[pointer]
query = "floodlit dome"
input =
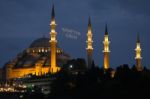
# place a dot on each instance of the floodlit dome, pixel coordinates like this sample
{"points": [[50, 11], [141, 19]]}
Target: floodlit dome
{"points": [[39, 50], [41, 45], [41, 42]]}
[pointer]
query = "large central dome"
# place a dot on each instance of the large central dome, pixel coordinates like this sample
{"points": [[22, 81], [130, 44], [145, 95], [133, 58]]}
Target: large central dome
{"points": [[41, 42], [39, 50], [41, 45]]}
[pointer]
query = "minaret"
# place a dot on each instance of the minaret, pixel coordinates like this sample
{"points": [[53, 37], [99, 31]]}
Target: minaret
{"points": [[89, 44], [106, 50], [138, 57], [53, 43]]}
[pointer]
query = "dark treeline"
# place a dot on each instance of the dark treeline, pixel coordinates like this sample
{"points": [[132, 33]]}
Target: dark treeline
{"points": [[98, 83]]}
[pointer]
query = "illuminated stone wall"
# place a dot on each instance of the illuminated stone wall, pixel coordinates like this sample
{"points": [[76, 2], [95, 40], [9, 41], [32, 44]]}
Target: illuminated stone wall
{"points": [[21, 72]]}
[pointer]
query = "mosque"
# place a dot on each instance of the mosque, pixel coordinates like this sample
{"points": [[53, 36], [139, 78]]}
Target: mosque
{"points": [[34, 60], [45, 56]]}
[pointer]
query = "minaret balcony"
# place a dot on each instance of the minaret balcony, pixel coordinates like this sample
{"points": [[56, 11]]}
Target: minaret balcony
{"points": [[138, 57], [108, 51]]}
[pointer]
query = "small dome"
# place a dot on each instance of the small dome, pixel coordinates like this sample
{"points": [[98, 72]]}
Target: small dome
{"points": [[41, 42]]}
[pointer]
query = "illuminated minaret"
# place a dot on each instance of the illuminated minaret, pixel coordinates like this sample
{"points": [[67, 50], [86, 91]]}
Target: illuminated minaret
{"points": [[53, 43], [106, 50], [138, 57], [89, 44]]}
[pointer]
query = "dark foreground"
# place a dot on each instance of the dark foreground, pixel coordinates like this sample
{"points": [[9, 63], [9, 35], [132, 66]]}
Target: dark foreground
{"points": [[93, 84]]}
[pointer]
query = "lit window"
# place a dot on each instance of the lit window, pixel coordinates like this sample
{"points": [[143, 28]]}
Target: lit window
{"points": [[70, 66], [42, 50]]}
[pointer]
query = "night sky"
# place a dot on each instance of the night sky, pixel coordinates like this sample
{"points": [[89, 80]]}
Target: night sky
{"points": [[23, 21]]}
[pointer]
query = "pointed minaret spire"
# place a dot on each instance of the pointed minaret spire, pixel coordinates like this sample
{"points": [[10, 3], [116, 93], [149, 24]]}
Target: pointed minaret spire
{"points": [[89, 24], [138, 57], [106, 50], [138, 39], [53, 14], [89, 42], [106, 31]]}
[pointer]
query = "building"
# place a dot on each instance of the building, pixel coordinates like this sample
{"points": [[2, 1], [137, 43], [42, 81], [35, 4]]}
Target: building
{"points": [[43, 56], [138, 57], [34, 60], [53, 42], [89, 44], [106, 50]]}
